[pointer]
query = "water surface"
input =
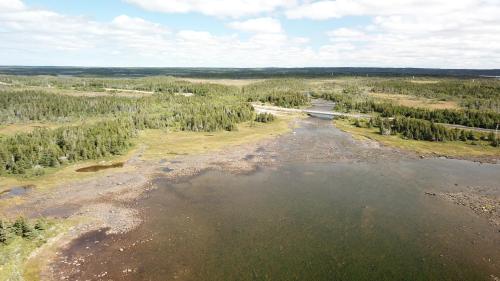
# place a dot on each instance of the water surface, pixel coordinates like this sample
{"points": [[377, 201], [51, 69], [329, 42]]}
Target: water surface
{"points": [[331, 209], [97, 168]]}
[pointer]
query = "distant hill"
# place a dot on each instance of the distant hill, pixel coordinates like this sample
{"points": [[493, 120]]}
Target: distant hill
{"points": [[244, 72]]}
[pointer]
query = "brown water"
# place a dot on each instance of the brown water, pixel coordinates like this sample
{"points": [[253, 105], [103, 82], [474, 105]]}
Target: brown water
{"points": [[97, 168], [330, 209]]}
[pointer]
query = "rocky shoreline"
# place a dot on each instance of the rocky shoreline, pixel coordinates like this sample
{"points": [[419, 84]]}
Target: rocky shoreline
{"points": [[107, 203]]}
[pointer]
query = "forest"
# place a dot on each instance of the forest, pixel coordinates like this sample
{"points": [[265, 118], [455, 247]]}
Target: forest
{"points": [[478, 94], [21, 228], [465, 117], [241, 73], [109, 120], [211, 108], [417, 129]]}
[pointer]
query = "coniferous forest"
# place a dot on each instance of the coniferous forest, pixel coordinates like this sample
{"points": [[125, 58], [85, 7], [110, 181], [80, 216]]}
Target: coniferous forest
{"points": [[176, 105], [114, 110]]}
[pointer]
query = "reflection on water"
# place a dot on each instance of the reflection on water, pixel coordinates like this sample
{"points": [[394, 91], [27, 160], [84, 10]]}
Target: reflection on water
{"points": [[97, 168], [343, 220]]}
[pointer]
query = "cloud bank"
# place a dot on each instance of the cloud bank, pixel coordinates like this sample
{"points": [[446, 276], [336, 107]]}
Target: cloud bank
{"points": [[404, 33]]}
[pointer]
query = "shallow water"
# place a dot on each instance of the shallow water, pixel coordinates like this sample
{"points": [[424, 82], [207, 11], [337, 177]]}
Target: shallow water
{"points": [[16, 191], [330, 209], [97, 168]]}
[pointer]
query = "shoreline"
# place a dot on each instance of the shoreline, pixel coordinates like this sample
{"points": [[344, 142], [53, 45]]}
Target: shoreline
{"points": [[106, 202]]}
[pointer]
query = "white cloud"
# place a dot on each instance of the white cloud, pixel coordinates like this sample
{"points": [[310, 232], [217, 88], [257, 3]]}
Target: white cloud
{"points": [[328, 9], [458, 34], [11, 5], [124, 22], [41, 37], [219, 8], [422, 33], [344, 32], [259, 25]]}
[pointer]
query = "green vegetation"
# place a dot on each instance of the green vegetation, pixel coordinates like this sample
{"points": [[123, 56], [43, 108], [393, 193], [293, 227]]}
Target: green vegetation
{"points": [[285, 93], [264, 117], [460, 149], [479, 94], [113, 121], [207, 108], [18, 239], [51, 148], [358, 102], [423, 125], [87, 120], [20, 228], [19, 106], [417, 129], [162, 144]]}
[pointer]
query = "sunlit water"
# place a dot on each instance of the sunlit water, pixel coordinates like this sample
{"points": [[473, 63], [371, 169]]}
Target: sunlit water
{"points": [[364, 216]]}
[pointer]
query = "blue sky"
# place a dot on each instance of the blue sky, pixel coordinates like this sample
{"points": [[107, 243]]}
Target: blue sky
{"points": [[251, 33]]}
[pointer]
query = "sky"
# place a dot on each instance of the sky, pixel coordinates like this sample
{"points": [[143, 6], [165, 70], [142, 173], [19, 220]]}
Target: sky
{"points": [[251, 33]]}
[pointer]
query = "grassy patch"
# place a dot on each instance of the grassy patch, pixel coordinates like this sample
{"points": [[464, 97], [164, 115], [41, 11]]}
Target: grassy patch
{"points": [[451, 149], [27, 127], [162, 144], [61, 175], [158, 144], [12, 129], [412, 101], [227, 82], [14, 264]]}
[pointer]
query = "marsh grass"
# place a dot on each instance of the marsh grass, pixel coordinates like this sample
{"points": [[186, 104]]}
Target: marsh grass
{"points": [[413, 101], [161, 144]]}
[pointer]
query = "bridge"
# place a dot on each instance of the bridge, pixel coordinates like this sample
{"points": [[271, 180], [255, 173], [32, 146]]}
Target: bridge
{"points": [[331, 114], [276, 109]]}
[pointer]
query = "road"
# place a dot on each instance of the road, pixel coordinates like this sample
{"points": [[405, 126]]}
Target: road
{"points": [[276, 109]]}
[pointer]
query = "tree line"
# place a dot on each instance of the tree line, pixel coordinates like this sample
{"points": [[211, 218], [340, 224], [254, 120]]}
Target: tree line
{"points": [[31, 152], [42, 148], [21, 228], [280, 92], [16, 106], [477, 88], [478, 94], [417, 129], [469, 118]]}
